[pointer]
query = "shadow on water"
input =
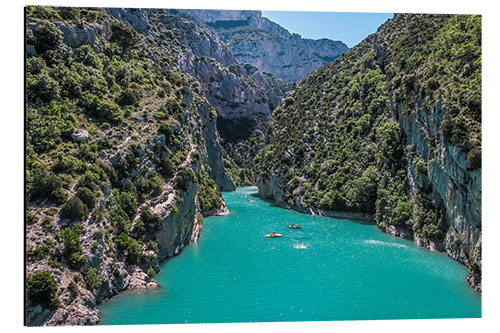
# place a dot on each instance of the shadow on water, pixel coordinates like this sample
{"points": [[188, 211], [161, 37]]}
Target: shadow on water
{"points": [[362, 222], [272, 203]]}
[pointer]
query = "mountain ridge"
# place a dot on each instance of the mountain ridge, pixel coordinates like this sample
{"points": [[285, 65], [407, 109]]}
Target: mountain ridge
{"points": [[257, 40]]}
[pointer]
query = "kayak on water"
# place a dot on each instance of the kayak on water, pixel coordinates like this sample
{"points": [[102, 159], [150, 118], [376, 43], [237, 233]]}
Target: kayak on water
{"points": [[294, 226], [272, 235]]}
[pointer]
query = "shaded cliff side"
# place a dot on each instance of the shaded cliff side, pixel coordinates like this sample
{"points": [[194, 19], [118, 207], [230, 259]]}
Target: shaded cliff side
{"points": [[241, 96], [390, 130]]}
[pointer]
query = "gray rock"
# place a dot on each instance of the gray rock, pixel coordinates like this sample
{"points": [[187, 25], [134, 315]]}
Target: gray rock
{"points": [[30, 50], [75, 36], [214, 152], [37, 309], [80, 136], [177, 229], [137, 18], [272, 48], [212, 16]]}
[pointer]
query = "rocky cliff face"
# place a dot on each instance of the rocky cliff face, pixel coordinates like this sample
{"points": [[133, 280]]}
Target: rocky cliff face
{"points": [[450, 183], [242, 96], [372, 136], [143, 185], [266, 45]]}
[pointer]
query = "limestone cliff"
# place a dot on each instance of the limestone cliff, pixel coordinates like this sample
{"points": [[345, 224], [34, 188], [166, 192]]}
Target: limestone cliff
{"points": [[268, 46], [390, 131], [450, 182], [132, 191]]}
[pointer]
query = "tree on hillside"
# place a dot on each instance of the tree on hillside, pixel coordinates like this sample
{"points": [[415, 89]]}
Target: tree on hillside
{"points": [[124, 36]]}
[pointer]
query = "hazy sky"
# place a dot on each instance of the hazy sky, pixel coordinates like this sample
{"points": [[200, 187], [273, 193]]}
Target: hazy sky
{"points": [[350, 28]]}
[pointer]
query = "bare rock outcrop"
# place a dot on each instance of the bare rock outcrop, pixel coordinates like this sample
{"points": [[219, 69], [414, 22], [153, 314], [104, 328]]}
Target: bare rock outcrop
{"points": [[268, 46]]}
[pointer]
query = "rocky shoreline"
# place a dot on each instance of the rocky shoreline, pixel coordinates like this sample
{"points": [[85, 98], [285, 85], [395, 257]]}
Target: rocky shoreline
{"points": [[81, 310], [269, 189]]}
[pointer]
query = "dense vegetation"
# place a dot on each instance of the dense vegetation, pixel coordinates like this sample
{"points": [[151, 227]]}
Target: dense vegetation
{"points": [[210, 197], [337, 142], [88, 194], [41, 289]]}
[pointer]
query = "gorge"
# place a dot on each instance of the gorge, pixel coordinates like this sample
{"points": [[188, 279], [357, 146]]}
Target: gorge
{"points": [[138, 119], [331, 269]]}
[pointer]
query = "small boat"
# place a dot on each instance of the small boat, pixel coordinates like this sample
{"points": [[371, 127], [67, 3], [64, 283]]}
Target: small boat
{"points": [[274, 235], [294, 226]]}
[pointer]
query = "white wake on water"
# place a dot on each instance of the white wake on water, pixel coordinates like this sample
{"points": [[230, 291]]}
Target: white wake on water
{"points": [[376, 242]]}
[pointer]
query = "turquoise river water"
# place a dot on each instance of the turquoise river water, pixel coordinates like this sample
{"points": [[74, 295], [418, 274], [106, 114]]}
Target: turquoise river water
{"points": [[331, 269]]}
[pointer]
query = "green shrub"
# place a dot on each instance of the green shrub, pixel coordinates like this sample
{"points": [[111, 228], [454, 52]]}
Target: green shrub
{"points": [[200, 218], [30, 217], [87, 196], [402, 213], [209, 195], [73, 288], [69, 13], [420, 166], [134, 252], [474, 158], [122, 241], [128, 97], [88, 152], [363, 191], [185, 176], [78, 228], [74, 209], [133, 248], [42, 88], [167, 168], [166, 129], [128, 203], [47, 222], [173, 107], [46, 185], [54, 264], [42, 288], [151, 221], [41, 251], [151, 272], [52, 211], [93, 279], [102, 111], [35, 65], [152, 246], [47, 37], [120, 220], [139, 228], [72, 250], [90, 180], [124, 36], [110, 112]]}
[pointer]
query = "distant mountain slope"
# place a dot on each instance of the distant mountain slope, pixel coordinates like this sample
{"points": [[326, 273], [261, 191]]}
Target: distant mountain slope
{"points": [[268, 46], [390, 131]]}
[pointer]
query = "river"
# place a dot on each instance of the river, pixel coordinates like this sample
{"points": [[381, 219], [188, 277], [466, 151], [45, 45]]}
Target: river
{"points": [[331, 269]]}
